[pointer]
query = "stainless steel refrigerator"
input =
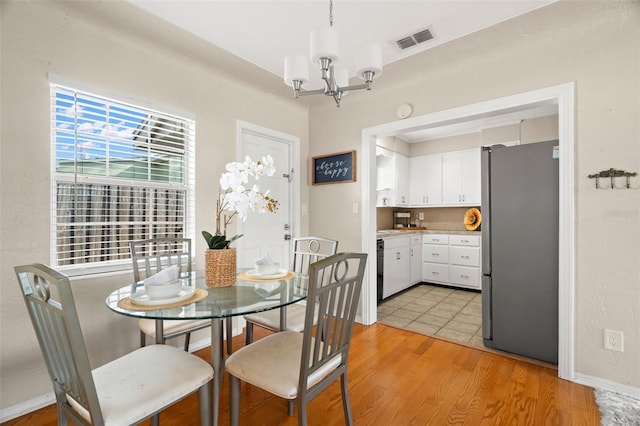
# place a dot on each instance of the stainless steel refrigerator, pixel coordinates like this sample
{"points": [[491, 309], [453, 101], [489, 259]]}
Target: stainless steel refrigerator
{"points": [[520, 249]]}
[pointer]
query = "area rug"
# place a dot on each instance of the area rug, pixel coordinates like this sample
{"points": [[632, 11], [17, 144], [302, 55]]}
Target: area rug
{"points": [[617, 409]]}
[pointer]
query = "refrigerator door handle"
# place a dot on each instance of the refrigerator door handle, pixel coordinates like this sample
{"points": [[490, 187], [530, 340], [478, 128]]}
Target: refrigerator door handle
{"points": [[485, 184]]}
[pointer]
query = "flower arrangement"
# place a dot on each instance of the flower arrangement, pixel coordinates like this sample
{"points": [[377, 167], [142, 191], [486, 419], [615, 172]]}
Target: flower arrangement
{"points": [[235, 197]]}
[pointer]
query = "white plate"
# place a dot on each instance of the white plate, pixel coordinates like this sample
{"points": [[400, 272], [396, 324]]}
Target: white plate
{"points": [[254, 274], [140, 297]]}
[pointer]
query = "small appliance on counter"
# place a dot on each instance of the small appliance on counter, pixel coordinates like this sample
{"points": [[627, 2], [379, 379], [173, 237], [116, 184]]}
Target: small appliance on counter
{"points": [[401, 220]]}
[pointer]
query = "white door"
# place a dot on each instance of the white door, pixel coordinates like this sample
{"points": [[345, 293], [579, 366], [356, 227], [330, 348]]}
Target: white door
{"points": [[267, 233]]}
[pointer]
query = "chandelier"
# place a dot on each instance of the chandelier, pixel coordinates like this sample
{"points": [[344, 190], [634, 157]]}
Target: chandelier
{"points": [[323, 47]]}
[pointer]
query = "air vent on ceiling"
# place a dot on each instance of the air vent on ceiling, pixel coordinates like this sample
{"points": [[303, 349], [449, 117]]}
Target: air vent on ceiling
{"points": [[415, 39]]}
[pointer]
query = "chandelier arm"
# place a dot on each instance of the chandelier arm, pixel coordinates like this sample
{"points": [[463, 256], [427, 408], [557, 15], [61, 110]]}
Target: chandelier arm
{"points": [[311, 92], [366, 86]]}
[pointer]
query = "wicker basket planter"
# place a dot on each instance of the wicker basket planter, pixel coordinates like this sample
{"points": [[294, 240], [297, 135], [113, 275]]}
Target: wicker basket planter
{"points": [[220, 267]]}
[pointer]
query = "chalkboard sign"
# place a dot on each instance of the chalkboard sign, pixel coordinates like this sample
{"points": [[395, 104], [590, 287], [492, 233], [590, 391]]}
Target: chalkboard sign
{"points": [[334, 168]]}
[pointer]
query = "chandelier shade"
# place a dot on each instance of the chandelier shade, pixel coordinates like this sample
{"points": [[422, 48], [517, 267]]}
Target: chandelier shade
{"points": [[296, 68], [323, 43], [324, 52], [369, 58]]}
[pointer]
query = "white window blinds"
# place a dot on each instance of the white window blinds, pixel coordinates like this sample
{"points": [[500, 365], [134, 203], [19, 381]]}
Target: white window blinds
{"points": [[120, 173]]}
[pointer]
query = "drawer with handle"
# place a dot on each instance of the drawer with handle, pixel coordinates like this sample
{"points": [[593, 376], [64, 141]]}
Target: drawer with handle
{"points": [[439, 239], [435, 272], [465, 240], [435, 254], [468, 277], [465, 256]]}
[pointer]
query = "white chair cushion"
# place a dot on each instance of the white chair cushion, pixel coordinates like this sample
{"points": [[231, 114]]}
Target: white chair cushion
{"points": [[144, 381], [170, 327], [273, 364]]}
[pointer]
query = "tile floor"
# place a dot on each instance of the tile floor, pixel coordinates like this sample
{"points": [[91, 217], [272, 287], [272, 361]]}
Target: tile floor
{"points": [[438, 311]]}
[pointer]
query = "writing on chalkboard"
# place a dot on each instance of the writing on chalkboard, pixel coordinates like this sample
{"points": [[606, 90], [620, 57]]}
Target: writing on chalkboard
{"points": [[334, 168]]}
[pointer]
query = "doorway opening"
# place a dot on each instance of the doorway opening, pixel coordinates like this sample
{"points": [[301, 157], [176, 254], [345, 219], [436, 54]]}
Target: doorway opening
{"points": [[562, 96]]}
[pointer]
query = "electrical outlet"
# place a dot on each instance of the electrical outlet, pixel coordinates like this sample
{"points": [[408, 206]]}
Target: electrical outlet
{"points": [[613, 340], [421, 216], [355, 208]]}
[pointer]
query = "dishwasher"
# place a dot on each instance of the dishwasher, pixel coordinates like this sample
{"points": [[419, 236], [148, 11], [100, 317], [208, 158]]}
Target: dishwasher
{"points": [[380, 259]]}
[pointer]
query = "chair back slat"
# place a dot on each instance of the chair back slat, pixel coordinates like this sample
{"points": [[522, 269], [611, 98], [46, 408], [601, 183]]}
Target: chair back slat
{"points": [[60, 337], [308, 250], [335, 284], [151, 256]]}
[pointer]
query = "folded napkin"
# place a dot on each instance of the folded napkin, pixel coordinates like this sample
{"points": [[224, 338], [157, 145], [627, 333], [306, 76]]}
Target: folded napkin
{"points": [[264, 260], [164, 276]]}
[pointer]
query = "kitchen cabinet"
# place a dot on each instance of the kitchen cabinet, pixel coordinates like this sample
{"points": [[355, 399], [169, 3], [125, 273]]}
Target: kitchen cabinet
{"points": [[461, 178], [452, 259], [415, 251], [392, 185], [397, 265], [425, 180]]}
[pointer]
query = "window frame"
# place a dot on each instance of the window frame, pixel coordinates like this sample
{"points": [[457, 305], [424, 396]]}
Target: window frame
{"points": [[58, 85]]}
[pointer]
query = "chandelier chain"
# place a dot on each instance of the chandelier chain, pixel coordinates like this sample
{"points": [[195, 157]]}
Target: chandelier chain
{"points": [[331, 13]]}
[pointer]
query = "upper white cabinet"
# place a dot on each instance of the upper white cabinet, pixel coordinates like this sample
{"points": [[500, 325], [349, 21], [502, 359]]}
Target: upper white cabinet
{"points": [[425, 180], [461, 178], [392, 186], [402, 180]]}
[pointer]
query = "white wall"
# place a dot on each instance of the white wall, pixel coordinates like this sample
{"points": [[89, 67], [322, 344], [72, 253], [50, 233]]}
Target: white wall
{"points": [[74, 41], [592, 43]]}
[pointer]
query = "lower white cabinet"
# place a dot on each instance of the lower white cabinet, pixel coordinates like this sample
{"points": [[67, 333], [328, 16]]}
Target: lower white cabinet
{"points": [[415, 251], [452, 259], [397, 264], [402, 263]]}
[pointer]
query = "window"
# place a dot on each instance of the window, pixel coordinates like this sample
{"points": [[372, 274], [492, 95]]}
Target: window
{"points": [[120, 173]]}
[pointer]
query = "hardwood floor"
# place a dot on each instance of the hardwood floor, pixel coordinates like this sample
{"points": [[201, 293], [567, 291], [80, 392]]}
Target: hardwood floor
{"points": [[397, 377]]}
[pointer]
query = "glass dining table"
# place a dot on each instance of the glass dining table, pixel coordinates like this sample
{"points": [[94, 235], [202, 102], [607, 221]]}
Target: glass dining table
{"points": [[248, 295]]}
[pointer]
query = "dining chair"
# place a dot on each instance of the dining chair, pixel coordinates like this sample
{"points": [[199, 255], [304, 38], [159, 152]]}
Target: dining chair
{"points": [[306, 250], [298, 366], [125, 391], [150, 257]]}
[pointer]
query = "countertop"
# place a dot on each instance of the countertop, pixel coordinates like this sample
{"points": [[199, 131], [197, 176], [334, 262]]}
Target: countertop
{"points": [[386, 233]]}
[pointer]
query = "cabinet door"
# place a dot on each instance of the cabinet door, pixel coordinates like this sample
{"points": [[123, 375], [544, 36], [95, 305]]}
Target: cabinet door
{"points": [[402, 179], [416, 259], [417, 180], [396, 270], [452, 178], [433, 179], [385, 177], [471, 177]]}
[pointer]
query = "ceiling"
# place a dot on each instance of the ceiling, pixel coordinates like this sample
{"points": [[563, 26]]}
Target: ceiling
{"points": [[263, 32]]}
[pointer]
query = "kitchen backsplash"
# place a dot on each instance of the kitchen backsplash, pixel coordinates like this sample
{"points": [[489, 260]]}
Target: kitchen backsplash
{"points": [[436, 218]]}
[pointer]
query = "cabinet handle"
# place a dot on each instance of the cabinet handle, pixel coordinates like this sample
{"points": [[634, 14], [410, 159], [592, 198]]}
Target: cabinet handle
{"points": [[436, 239], [464, 257], [464, 241], [435, 273], [435, 254], [398, 255], [411, 250], [466, 277]]}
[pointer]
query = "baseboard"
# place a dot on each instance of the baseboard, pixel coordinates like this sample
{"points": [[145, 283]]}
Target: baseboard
{"points": [[25, 407], [596, 382]]}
